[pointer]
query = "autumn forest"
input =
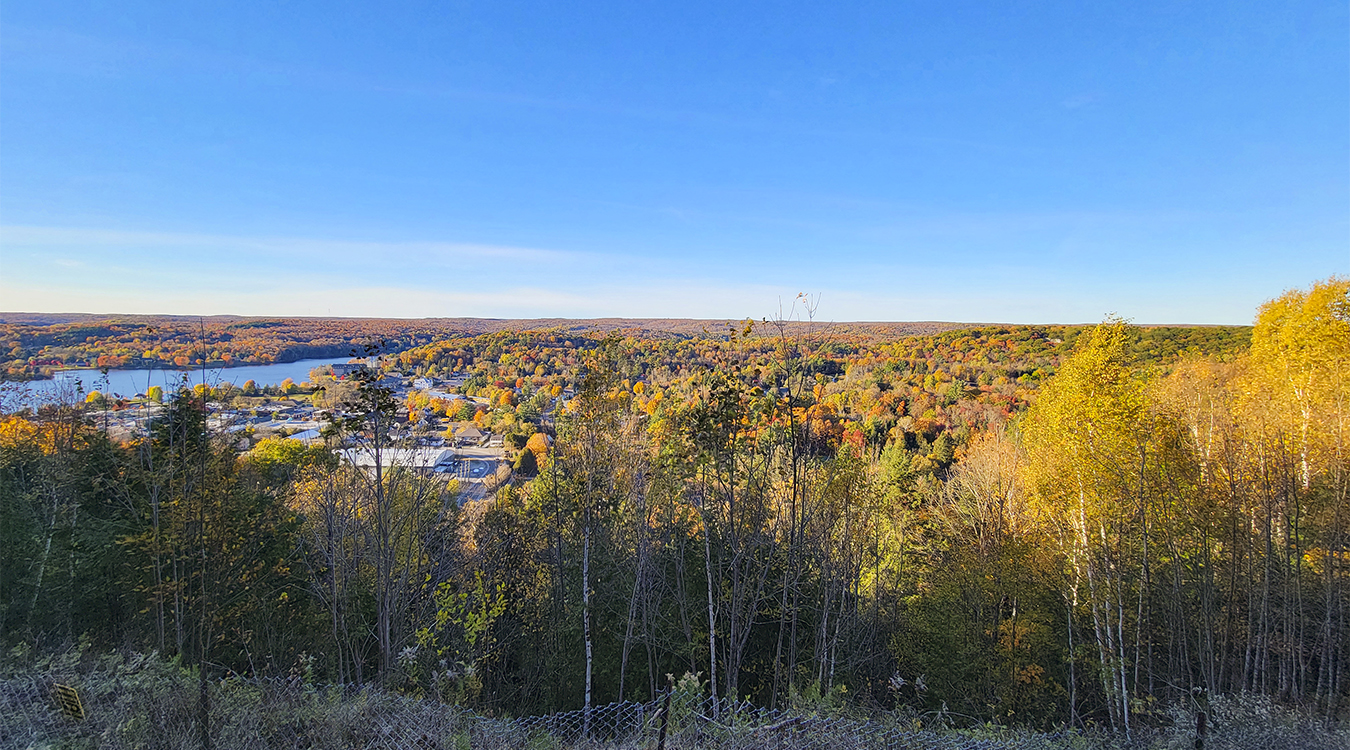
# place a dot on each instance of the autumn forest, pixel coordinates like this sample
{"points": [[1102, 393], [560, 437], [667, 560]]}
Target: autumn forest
{"points": [[1043, 526]]}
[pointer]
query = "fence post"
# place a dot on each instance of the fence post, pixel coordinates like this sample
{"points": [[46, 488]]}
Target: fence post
{"points": [[665, 717], [203, 707]]}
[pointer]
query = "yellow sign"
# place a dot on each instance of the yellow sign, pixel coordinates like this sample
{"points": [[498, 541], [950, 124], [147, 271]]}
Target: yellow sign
{"points": [[68, 700]]}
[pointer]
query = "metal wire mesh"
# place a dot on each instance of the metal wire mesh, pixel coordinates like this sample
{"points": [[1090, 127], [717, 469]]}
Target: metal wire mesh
{"points": [[162, 711]]}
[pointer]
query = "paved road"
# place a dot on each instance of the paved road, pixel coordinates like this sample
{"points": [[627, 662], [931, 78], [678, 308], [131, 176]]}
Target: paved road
{"points": [[470, 491], [472, 468], [481, 453]]}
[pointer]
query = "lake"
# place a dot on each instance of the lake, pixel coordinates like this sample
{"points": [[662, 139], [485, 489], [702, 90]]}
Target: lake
{"points": [[128, 383]]}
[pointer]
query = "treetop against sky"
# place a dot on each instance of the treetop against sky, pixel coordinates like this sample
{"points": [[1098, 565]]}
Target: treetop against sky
{"points": [[1044, 162]]}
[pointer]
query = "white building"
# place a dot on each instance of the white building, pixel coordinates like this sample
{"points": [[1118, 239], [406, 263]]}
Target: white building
{"points": [[423, 459]]}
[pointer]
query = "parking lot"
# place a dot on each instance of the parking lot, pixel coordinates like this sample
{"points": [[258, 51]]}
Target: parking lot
{"points": [[472, 467], [469, 468]]}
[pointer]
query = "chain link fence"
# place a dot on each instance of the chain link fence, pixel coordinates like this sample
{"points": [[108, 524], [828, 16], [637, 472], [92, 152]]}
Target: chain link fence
{"points": [[162, 709]]}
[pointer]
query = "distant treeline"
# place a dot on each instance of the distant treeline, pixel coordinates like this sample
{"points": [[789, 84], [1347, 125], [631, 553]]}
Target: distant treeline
{"points": [[33, 346]]}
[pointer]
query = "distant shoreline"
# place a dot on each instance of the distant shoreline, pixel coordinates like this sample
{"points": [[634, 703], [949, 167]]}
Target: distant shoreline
{"points": [[197, 368]]}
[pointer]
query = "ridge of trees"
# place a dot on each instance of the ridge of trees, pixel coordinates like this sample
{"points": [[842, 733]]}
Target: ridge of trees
{"points": [[33, 346], [913, 388]]}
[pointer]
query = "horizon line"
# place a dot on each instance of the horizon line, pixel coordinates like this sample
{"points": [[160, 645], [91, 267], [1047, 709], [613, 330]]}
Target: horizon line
{"points": [[4, 315]]}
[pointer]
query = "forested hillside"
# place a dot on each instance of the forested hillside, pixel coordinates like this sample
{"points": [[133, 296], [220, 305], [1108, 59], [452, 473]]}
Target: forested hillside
{"points": [[1033, 525], [882, 390], [33, 345]]}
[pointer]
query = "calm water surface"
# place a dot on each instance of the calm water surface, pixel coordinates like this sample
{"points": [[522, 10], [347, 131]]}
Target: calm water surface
{"points": [[128, 383]]}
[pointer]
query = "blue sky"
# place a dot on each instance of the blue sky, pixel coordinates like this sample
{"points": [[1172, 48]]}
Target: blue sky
{"points": [[1010, 162]]}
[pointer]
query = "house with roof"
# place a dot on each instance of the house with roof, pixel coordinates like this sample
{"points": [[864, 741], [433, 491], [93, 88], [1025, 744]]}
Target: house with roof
{"points": [[467, 433], [343, 371]]}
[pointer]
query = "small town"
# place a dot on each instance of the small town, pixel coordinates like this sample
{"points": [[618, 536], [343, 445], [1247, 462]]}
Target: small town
{"points": [[423, 439]]}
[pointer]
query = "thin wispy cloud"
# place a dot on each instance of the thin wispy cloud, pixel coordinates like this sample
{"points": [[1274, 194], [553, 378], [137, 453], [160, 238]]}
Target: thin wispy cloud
{"points": [[14, 238], [119, 271], [111, 57]]}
